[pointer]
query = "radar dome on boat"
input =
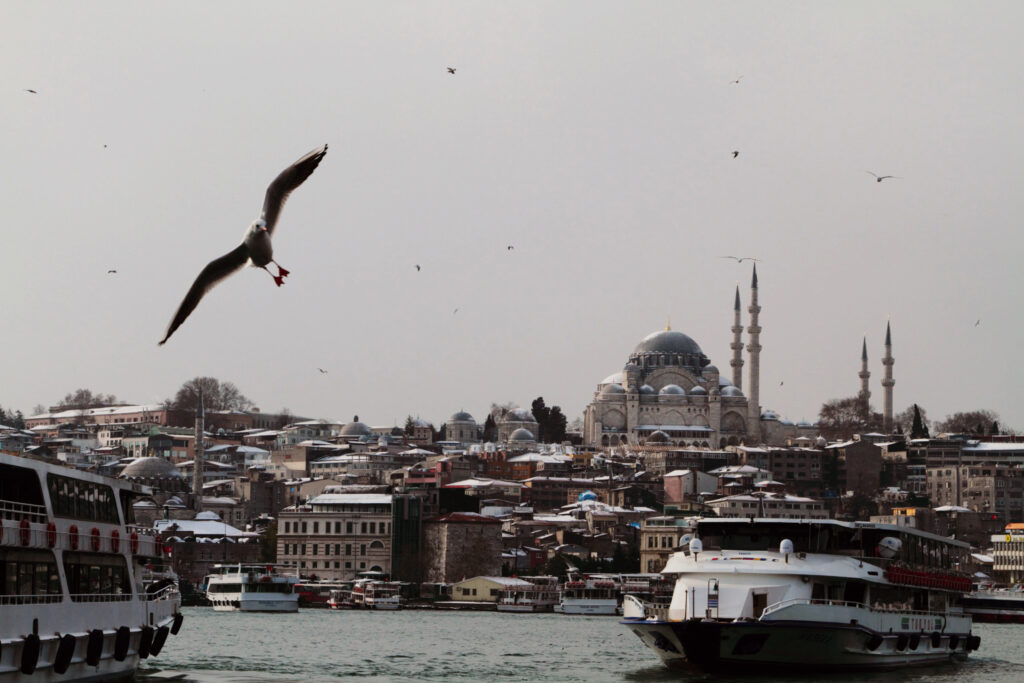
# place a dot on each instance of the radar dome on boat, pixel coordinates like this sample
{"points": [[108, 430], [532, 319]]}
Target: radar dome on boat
{"points": [[786, 547], [696, 546], [889, 547]]}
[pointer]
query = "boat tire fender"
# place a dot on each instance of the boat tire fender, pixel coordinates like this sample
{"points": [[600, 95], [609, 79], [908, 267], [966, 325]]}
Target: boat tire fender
{"points": [[158, 640], [936, 639], [973, 643], [915, 641], [145, 641], [121, 641], [874, 642], [94, 648], [954, 640], [902, 641], [176, 626], [30, 654], [65, 651]]}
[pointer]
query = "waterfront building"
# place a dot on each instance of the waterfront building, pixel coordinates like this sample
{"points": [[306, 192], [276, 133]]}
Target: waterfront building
{"points": [[460, 544], [987, 488], [660, 537], [1008, 555], [857, 466], [485, 588], [778, 505], [337, 535]]}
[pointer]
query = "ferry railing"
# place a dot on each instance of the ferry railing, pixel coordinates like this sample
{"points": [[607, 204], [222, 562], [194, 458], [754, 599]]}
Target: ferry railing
{"points": [[30, 599], [10, 509], [101, 597], [774, 607], [166, 593]]}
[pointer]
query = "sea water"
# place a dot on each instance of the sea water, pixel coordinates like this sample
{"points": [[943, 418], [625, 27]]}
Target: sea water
{"points": [[326, 645]]}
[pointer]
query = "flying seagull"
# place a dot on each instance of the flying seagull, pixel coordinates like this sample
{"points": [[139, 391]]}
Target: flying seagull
{"points": [[741, 259], [451, 69], [455, 311], [111, 271], [736, 81], [509, 248], [880, 178], [322, 371], [978, 322], [417, 267], [31, 91], [255, 247], [735, 153]]}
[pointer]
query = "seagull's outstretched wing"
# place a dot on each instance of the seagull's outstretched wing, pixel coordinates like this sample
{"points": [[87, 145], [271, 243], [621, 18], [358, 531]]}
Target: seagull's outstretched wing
{"points": [[214, 272], [288, 180]]}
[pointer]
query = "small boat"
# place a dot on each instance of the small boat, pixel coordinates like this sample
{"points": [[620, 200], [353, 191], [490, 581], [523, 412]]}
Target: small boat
{"points": [[77, 601], [251, 588], [996, 605], [541, 594], [374, 594], [314, 593], [778, 595], [594, 594], [340, 598]]}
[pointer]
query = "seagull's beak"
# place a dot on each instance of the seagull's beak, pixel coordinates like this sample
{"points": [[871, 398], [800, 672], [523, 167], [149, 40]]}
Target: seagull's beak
{"points": [[264, 228]]}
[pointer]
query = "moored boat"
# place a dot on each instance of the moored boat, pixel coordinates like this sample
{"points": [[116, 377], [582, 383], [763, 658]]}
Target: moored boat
{"points": [[787, 594], [594, 594], [536, 594], [996, 605], [251, 588], [76, 599]]}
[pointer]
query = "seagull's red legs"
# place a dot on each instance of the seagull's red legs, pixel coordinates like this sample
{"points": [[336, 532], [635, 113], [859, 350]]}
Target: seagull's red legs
{"points": [[281, 273]]}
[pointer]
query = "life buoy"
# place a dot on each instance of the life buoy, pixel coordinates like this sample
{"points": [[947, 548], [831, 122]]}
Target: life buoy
{"points": [[51, 534], [73, 536], [26, 532], [134, 542], [94, 535], [115, 540]]}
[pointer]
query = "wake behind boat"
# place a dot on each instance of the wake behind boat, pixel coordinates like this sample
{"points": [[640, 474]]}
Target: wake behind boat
{"points": [[787, 594]]}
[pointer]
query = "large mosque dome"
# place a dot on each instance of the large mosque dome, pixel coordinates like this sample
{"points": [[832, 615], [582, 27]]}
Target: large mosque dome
{"points": [[667, 341]]}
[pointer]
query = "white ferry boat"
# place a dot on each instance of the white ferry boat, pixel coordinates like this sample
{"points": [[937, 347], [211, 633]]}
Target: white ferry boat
{"points": [[996, 605], [251, 588], [540, 594], [76, 602], [595, 594], [788, 594], [373, 594]]}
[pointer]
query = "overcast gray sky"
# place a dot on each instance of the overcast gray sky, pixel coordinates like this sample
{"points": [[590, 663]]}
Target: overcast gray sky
{"points": [[595, 137]]}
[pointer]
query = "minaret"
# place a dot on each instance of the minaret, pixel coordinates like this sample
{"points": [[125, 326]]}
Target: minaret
{"points": [[865, 375], [737, 345], [887, 381], [754, 351], [197, 462]]}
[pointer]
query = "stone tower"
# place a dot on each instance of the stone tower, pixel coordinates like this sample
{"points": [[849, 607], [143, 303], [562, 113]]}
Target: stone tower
{"points": [[197, 461], [887, 381], [737, 344], [754, 351], [865, 375]]}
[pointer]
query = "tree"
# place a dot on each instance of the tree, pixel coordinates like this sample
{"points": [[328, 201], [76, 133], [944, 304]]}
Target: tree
{"points": [[844, 417], [541, 413], [12, 419], [919, 428], [217, 395], [490, 429], [905, 418], [969, 421], [410, 425], [268, 544], [556, 425], [557, 566], [84, 398]]}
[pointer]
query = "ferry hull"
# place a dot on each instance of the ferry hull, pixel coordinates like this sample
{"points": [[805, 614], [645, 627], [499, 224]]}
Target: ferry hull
{"points": [[594, 608], [754, 646], [251, 605]]}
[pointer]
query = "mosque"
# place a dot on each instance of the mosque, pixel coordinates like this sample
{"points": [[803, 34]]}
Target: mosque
{"points": [[669, 393]]}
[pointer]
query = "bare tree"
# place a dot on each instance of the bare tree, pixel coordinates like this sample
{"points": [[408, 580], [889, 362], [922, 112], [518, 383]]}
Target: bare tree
{"points": [[85, 398], [973, 421], [217, 395], [843, 417]]}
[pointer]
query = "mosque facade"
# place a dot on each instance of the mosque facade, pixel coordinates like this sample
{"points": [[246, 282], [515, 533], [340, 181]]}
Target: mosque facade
{"points": [[669, 393]]}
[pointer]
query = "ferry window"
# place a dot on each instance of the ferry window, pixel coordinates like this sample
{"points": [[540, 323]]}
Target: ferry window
{"points": [[20, 485], [855, 592], [817, 591], [96, 574]]}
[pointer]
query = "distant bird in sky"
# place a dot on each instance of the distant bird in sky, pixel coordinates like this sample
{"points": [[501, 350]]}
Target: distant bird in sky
{"points": [[978, 322], [255, 247], [451, 69], [781, 383], [322, 371], [509, 248], [104, 146], [417, 267], [880, 178], [741, 259], [111, 271], [735, 153], [735, 81], [455, 311], [31, 91]]}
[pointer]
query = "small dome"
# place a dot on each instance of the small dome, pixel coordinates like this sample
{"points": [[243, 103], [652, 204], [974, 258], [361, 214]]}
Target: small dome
{"points": [[724, 381], [820, 441], [356, 428], [521, 434], [612, 389], [647, 389], [208, 515], [587, 495], [672, 390], [658, 437], [731, 391], [698, 391], [803, 423], [154, 467], [710, 369], [787, 423], [769, 415], [461, 416], [630, 366], [614, 378]]}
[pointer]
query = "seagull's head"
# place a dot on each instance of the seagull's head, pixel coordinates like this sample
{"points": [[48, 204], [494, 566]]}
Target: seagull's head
{"points": [[259, 225]]}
